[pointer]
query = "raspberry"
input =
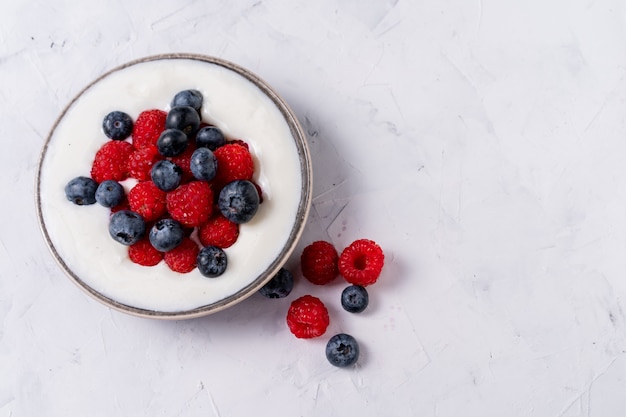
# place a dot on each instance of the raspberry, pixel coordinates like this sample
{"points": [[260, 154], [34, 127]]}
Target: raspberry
{"points": [[319, 262], [307, 317], [140, 162], [191, 204], [218, 231], [111, 161], [183, 257], [143, 253], [234, 162], [361, 262], [148, 200], [148, 128], [183, 161]]}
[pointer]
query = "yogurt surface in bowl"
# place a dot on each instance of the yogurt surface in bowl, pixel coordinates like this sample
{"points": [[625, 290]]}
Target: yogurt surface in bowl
{"points": [[235, 101]]}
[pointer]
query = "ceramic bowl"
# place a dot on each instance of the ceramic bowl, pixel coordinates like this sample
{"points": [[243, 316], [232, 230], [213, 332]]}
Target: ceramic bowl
{"points": [[244, 107]]}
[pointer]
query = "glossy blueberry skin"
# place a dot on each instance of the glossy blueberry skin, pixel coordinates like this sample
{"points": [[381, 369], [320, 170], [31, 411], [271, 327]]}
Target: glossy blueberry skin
{"points": [[239, 201], [127, 227], [172, 142], [81, 191], [342, 350], [166, 234], [210, 137], [117, 125], [354, 299], [192, 98], [203, 164], [183, 118], [110, 193], [211, 261], [279, 286], [166, 175]]}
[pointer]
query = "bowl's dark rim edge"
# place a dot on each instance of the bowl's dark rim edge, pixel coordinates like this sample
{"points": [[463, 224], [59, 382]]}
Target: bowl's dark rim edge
{"points": [[296, 232]]}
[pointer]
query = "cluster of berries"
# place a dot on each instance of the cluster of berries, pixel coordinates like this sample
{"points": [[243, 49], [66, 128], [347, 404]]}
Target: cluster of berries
{"points": [[187, 178], [360, 264]]}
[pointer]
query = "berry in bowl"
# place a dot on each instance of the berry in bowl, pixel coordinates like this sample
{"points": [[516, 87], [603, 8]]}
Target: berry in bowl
{"points": [[174, 186]]}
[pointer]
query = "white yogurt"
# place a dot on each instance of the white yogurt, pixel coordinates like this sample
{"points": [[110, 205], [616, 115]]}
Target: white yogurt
{"points": [[79, 234]]}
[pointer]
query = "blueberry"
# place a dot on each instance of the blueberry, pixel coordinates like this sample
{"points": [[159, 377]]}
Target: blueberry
{"points": [[117, 125], [126, 227], [279, 286], [211, 261], [81, 191], [172, 142], [210, 137], [239, 201], [184, 118], [354, 299], [166, 234], [110, 193], [192, 98], [203, 164], [342, 350], [166, 175]]}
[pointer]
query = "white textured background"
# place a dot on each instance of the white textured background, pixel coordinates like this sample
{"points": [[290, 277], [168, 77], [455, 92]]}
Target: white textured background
{"points": [[480, 142]]}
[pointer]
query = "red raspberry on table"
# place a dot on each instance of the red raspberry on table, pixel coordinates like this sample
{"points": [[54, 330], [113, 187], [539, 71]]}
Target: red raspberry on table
{"points": [[361, 262], [140, 162], [218, 231], [143, 253], [111, 161], [307, 317], [234, 162], [183, 257], [148, 127], [146, 199], [319, 262], [191, 204]]}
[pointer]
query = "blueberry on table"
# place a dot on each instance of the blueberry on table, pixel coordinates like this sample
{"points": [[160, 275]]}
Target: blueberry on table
{"points": [[279, 286], [192, 98], [166, 175], [117, 125], [81, 191], [239, 201], [212, 261], [203, 164], [172, 142], [354, 299], [127, 227], [183, 118], [210, 137], [110, 193], [166, 234], [342, 350]]}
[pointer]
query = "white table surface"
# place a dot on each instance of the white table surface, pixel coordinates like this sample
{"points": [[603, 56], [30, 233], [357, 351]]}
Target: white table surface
{"points": [[480, 142]]}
